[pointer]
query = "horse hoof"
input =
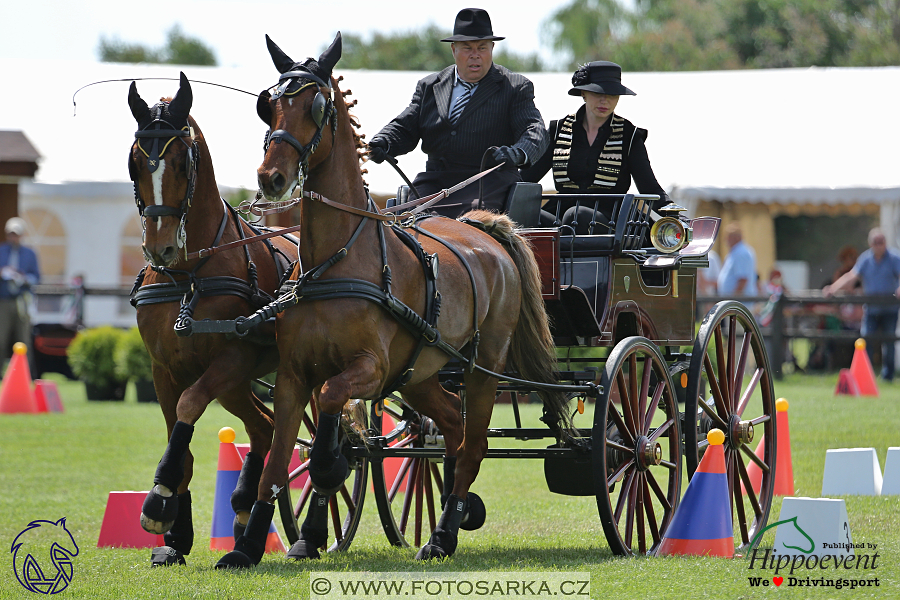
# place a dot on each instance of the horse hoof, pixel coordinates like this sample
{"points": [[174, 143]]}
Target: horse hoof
{"points": [[166, 556], [475, 513], [235, 560], [156, 527], [430, 552], [331, 481], [158, 512], [303, 549]]}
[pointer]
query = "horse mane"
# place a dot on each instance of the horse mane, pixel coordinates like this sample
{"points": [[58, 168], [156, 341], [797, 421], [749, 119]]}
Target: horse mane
{"points": [[362, 152]]}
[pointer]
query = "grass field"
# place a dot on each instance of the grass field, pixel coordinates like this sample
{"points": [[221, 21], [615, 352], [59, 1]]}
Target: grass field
{"points": [[64, 465]]}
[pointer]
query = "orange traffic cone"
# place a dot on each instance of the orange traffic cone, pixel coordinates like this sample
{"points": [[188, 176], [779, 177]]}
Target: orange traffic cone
{"points": [[784, 471], [229, 469], [16, 395], [862, 370], [846, 385], [702, 524]]}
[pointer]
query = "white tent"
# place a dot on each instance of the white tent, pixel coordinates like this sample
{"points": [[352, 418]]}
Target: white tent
{"points": [[812, 129]]}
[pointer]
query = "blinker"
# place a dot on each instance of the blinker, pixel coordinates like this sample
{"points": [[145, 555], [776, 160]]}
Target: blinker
{"points": [[318, 109]]}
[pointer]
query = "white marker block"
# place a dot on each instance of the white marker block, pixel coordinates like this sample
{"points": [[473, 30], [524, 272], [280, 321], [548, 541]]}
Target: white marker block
{"points": [[821, 524], [851, 472], [891, 486]]}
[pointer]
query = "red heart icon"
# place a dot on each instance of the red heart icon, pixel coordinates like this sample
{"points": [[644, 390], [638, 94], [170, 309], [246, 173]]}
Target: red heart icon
{"points": [[777, 580]]}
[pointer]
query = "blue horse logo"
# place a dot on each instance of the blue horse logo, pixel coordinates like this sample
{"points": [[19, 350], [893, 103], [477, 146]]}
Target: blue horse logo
{"points": [[42, 556]]}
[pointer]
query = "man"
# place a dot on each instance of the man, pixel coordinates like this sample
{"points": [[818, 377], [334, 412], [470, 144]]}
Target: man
{"points": [[461, 112], [738, 274], [18, 271], [879, 270]]}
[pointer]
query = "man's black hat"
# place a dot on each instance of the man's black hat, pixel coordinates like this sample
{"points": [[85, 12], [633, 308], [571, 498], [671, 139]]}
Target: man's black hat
{"points": [[601, 77], [472, 24]]}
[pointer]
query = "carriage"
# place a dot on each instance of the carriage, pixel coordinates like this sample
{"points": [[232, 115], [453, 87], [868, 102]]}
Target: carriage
{"points": [[647, 389], [623, 421]]}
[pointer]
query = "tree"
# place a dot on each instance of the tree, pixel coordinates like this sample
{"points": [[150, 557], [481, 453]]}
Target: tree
{"points": [[418, 50], [180, 49], [729, 34]]}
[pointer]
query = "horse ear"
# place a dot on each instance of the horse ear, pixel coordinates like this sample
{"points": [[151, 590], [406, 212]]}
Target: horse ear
{"points": [[180, 106], [330, 57], [282, 61], [139, 108]]}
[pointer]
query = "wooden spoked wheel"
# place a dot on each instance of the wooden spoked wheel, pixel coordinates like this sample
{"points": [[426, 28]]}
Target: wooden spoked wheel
{"points": [[729, 357], [636, 446], [408, 490], [344, 507]]}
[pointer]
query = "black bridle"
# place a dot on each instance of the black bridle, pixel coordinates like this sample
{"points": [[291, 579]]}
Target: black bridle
{"points": [[322, 112], [160, 129]]}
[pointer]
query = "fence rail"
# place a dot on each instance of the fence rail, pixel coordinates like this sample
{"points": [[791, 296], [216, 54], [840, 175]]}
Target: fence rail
{"points": [[791, 314]]}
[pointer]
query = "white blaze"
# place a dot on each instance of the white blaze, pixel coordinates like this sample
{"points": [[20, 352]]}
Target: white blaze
{"points": [[157, 178]]}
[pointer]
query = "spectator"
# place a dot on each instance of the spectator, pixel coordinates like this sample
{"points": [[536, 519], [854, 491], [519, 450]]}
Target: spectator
{"points": [[18, 272], [879, 270], [738, 274], [707, 276]]}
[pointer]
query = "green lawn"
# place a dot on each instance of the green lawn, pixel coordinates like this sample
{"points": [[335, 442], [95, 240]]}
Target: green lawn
{"points": [[64, 465]]}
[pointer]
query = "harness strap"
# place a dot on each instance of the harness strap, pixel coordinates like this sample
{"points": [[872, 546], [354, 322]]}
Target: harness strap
{"points": [[476, 335]]}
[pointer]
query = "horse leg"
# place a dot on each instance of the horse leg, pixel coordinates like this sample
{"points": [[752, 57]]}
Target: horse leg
{"points": [[175, 469], [314, 531], [290, 401], [480, 390], [160, 508], [328, 467], [431, 399], [258, 422]]}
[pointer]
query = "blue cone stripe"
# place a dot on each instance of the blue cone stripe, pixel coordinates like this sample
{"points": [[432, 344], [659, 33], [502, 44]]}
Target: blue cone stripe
{"points": [[223, 514], [705, 511]]}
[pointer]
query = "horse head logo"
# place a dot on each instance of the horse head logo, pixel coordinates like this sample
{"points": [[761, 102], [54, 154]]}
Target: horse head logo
{"points": [[792, 521], [42, 556]]}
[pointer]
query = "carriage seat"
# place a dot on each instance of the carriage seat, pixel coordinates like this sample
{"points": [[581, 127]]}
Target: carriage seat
{"points": [[587, 245], [523, 202]]}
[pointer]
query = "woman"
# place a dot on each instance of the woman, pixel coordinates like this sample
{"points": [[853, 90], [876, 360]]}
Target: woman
{"points": [[595, 151]]}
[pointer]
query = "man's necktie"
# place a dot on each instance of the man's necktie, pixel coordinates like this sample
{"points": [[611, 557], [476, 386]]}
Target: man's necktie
{"points": [[461, 101]]}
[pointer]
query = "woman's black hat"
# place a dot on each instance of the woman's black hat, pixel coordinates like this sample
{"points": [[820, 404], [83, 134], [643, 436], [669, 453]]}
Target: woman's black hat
{"points": [[472, 24], [600, 77]]}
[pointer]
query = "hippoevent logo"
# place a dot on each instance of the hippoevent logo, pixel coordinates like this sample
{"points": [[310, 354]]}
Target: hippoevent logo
{"points": [[808, 568], [42, 556]]}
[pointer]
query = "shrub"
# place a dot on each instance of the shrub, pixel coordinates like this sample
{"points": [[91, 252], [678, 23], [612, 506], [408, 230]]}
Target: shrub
{"points": [[131, 357], [91, 355]]}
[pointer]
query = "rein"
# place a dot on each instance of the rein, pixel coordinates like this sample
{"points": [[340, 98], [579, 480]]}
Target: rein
{"points": [[390, 219]]}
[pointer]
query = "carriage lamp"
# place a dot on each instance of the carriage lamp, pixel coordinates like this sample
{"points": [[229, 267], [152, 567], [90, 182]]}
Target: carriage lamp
{"points": [[669, 235]]}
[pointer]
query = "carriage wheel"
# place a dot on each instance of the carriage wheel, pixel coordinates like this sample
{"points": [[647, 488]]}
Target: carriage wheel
{"points": [[636, 448], [408, 490], [345, 507], [729, 359]]}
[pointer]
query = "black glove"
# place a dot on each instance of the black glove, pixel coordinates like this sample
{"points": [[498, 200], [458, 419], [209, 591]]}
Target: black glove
{"points": [[513, 156], [378, 150]]}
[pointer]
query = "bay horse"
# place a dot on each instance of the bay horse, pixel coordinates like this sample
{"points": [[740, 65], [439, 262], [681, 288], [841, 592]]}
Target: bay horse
{"points": [[342, 340], [180, 207]]}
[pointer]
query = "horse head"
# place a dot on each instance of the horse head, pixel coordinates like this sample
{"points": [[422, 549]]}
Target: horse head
{"points": [[163, 166], [297, 110]]}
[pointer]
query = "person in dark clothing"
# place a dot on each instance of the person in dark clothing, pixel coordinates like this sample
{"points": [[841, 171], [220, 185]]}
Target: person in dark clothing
{"points": [[594, 150], [462, 112]]}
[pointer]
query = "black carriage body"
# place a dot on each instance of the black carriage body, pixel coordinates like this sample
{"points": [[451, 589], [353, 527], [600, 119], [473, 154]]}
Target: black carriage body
{"points": [[602, 288]]}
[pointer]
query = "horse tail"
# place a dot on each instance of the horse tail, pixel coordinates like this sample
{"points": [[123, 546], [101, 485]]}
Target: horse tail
{"points": [[532, 353]]}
